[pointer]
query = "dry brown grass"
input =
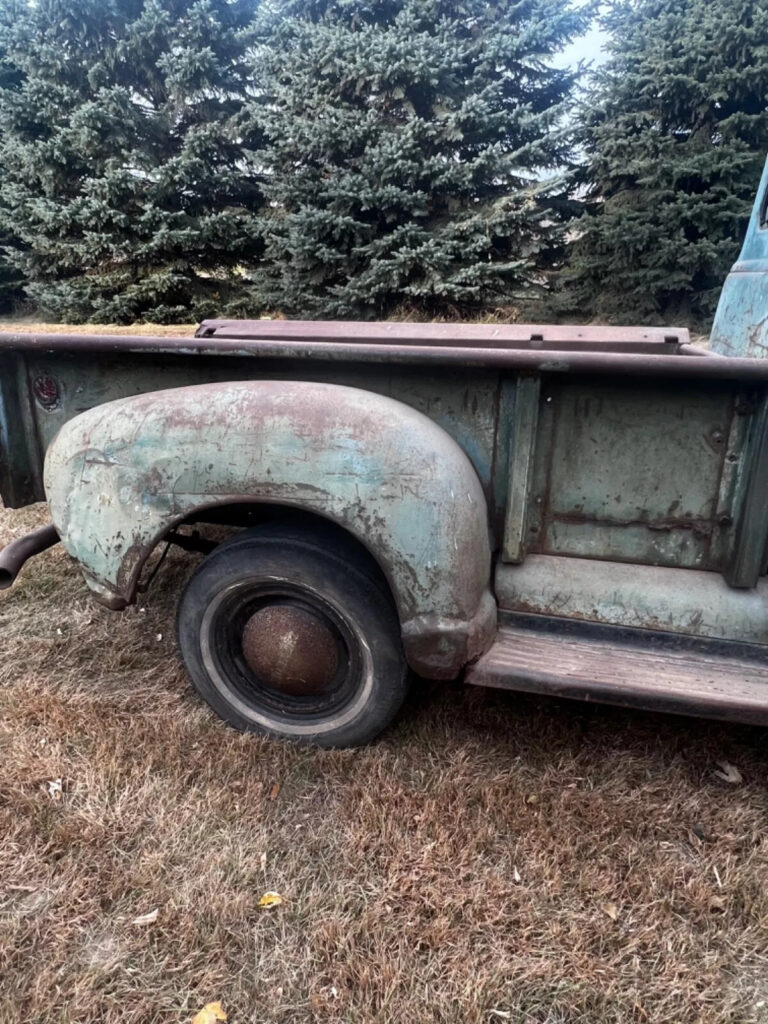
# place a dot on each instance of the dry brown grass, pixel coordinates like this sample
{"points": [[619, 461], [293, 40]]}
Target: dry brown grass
{"points": [[28, 325], [466, 868]]}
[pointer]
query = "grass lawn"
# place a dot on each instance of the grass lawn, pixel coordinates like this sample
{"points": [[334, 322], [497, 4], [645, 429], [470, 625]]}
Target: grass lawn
{"points": [[492, 858]]}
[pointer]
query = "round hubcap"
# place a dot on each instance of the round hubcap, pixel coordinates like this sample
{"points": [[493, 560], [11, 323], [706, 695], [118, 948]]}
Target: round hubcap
{"points": [[290, 649]]}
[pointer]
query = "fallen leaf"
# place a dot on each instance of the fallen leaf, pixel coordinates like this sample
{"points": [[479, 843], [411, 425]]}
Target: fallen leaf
{"points": [[274, 791], [532, 798], [148, 918], [729, 773], [271, 899], [55, 788], [209, 1014], [610, 910], [516, 874]]}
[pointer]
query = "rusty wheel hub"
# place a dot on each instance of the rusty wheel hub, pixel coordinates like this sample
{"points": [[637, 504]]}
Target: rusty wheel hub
{"points": [[290, 649]]}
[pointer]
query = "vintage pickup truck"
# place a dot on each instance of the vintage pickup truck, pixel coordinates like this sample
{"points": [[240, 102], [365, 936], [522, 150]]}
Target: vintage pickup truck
{"points": [[572, 511]]}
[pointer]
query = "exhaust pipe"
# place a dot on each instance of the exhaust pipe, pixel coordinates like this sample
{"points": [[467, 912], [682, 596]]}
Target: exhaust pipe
{"points": [[14, 555]]}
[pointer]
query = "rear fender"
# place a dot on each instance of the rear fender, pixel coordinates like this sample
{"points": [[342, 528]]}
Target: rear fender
{"points": [[120, 476]]}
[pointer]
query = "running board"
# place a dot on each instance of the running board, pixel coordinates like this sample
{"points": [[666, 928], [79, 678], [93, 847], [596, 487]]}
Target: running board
{"points": [[638, 674]]}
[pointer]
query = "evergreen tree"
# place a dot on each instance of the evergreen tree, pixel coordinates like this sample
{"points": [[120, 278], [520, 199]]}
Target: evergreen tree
{"points": [[675, 133], [11, 282], [406, 143], [123, 155]]}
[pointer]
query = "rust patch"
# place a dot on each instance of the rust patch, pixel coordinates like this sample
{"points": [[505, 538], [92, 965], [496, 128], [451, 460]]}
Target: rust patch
{"points": [[701, 527], [130, 563], [289, 649]]}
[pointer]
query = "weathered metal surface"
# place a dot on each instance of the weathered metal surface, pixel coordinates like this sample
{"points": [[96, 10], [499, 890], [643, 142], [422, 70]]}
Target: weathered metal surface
{"points": [[684, 601], [740, 328], [725, 534], [751, 547], [14, 555], [630, 675], [466, 407], [418, 352], [20, 457], [290, 649], [629, 471], [522, 448], [121, 475]]}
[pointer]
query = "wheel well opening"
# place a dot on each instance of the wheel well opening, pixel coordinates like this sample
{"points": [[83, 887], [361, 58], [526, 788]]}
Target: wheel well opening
{"points": [[205, 528]]}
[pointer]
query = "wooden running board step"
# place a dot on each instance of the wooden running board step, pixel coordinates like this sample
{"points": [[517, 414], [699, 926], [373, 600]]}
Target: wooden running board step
{"points": [[632, 675]]}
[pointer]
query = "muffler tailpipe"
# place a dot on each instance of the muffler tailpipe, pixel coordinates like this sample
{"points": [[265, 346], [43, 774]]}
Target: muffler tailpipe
{"points": [[14, 555]]}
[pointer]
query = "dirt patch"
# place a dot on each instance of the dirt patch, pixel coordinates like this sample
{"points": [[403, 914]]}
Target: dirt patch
{"points": [[493, 858]]}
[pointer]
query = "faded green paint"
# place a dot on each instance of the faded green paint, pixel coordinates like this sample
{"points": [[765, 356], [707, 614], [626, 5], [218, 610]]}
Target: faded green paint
{"points": [[690, 602], [119, 476], [630, 472], [525, 418], [463, 405]]}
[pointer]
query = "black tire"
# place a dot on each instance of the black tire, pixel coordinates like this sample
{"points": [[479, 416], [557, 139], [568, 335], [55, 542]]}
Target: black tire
{"points": [[292, 632]]}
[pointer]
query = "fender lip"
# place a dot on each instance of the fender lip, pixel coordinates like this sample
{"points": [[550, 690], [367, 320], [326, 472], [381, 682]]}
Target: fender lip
{"points": [[438, 647]]}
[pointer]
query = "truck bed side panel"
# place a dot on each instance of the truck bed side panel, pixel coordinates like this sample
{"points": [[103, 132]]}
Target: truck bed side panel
{"points": [[634, 472], [464, 405]]}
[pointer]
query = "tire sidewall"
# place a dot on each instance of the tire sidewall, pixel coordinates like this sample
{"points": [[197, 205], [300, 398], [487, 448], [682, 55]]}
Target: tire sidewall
{"points": [[258, 556]]}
